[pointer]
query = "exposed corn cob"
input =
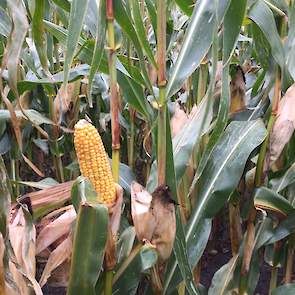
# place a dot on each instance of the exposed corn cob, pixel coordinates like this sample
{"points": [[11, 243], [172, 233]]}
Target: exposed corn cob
{"points": [[93, 160]]}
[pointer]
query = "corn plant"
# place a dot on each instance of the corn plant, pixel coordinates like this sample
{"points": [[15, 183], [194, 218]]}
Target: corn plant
{"points": [[130, 130]]}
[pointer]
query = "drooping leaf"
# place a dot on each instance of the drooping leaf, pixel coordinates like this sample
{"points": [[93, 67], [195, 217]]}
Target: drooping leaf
{"points": [[268, 199]]}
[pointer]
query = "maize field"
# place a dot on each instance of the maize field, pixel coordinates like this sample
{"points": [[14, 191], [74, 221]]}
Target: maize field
{"points": [[147, 147]]}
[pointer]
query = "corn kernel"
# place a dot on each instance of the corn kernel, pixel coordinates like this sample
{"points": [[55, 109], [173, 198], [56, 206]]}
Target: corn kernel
{"points": [[93, 160]]}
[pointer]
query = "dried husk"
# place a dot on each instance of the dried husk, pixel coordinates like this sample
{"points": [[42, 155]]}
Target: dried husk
{"points": [[154, 219], [283, 127]]}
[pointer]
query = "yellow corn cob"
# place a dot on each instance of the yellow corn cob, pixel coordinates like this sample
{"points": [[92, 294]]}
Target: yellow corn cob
{"points": [[93, 160]]}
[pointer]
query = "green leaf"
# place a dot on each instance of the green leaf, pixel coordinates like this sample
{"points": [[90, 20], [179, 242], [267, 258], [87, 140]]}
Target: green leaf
{"points": [[179, 247], [262, 15], [261, 46], [290, 44], [279, 184], [223, 277], [134, 95], [125, 243], [42, 184], [17, 37], [287, 289], [284, 229], [222, 173], [77, 14], [197, 41], [225, 167], [152, 13], [186, 6], [124, 21], [128, 275], [5, 23], [184, 142], [82, 191], [268, 199], [88, 248], [140, 29], [126, 177], [64, 4], [99, 46], [39, 33], [33, 115], [232, 25], [5, 199]]}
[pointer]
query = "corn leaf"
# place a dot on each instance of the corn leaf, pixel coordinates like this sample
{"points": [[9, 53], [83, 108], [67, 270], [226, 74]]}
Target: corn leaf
{"points": [[262, 15], [197, 41], [88, 248], [99, 46], [77, 14]]}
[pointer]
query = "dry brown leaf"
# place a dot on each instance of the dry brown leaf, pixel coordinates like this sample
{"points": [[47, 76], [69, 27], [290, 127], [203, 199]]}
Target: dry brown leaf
{"points": [[65, 97], [178, 120], [115, 210], [22, 238], [61, 254], [55, 230], [283, 127], [57, 194]]}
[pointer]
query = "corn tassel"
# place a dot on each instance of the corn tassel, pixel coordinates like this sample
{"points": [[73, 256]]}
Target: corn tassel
{"points": [[93, 161]]}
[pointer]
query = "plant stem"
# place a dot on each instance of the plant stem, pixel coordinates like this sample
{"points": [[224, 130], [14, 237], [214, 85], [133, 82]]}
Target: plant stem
{"points": [[161, 55], [109, 283], [114, 100], [114, 104]]}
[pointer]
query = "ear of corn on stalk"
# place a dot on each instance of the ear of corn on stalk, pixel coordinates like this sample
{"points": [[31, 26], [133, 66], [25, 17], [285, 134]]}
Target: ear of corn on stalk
{"points": [[93, 160]]}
